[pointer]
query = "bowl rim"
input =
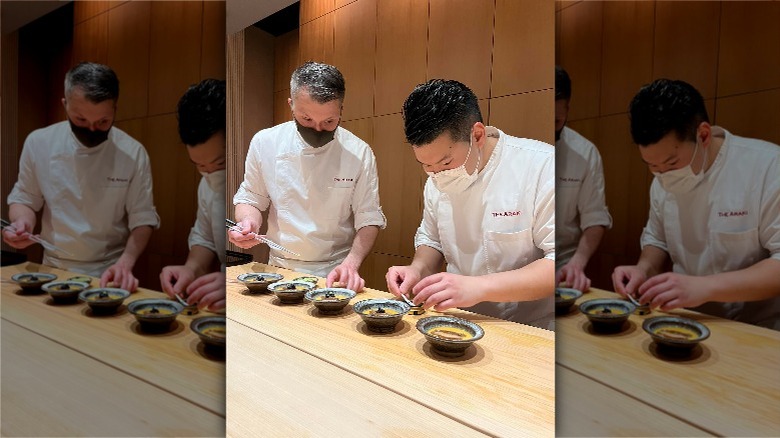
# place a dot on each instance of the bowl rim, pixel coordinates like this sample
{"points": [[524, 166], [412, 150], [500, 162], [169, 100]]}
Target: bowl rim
{"points": [[242, 276], [51, 276], [596, 301], [480, 332], [350, 293], [369, 301], [83, 294], [284, 291], [47, 287], [195, 323], [577, 294], [680, 320], [135, 303]]}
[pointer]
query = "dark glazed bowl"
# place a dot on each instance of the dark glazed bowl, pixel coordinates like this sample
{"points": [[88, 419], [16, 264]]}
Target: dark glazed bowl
{"points": [[330, 300], [676, 332], [104, 300], [381, 315], [155, 314], [210, 329], [450, 336], [565, 298], [606, 313], [257, 282], [32, 281], [290, 292], [63, 292]]}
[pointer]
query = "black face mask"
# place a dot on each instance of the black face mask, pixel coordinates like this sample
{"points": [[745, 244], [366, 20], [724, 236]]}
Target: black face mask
{"points": [[88, 138], [314, 138]]}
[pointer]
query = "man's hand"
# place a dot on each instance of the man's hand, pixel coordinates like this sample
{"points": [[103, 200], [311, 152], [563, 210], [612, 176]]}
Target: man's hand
{"points": [[401, 279], [20, 237], [175, 279], [208, 291], [671, 291], [121, 275], [627, 279], [346, 273], [246, 237], [573, 275], [444, 291]]}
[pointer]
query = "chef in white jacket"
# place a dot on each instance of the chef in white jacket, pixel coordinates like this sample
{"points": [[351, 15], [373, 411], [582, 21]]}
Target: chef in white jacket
{"points": [[201, 113], [581, 211], [93, 182], [489, 212], [319, 181], [714, 209]]}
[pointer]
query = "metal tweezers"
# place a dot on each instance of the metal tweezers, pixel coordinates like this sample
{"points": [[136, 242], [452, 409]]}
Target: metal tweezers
{"points": [[5, 224], [230, 225]]}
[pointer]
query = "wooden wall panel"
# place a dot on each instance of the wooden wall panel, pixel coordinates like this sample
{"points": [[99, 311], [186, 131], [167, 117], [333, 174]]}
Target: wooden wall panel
{"points": [[286, 55], [525, 115], [316, 42], [282, 112], [686, 43], [84, 10], [175, 54], [523, 31], [580, 54], [212, 63], [749, 47], [402, 28], [311, 9], [460, 42], [354, 52], [90, 39], [128, 55], [375, 268], [627, 53], [751, 115]]}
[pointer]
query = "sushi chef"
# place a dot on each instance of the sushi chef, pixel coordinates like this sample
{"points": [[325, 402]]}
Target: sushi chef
{"points": [[92, 181], [488, 212], [714, 210], [201, 114], [581, 211], [318, 181]]}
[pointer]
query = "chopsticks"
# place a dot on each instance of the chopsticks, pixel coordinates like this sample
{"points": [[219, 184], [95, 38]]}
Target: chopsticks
{"points": [[5, 224], [232, 226]]}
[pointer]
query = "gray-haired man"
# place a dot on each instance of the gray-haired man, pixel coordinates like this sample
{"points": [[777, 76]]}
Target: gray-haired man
{"points": [[319, 181], [93, 182]]}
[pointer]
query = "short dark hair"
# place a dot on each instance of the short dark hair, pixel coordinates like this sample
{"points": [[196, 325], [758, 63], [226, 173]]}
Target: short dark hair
{"points": [[201, 111], [666, 106], [98, 82], [323, 82], [562, 84], [440, 106]]}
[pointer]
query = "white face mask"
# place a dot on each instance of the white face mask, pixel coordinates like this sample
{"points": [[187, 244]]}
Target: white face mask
{"points": [[683, 180], [215, 180], [457, 180]]}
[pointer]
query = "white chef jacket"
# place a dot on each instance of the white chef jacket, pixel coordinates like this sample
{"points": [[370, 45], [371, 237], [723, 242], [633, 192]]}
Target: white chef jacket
{"points": [[318, 197], [503, 221], [208, 231], [579, 197], [730, 221], [91, 197]]}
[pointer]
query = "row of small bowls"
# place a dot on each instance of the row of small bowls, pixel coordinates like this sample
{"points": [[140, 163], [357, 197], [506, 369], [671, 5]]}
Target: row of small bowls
{"points": [[152, 314], [607, 314], [380, 315]]}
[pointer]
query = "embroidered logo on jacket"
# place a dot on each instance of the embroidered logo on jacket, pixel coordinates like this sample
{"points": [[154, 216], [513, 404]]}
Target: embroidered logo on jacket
{"points": [[343, 179], [115, 179], [732, 213], [568, 179], [506, 213]]}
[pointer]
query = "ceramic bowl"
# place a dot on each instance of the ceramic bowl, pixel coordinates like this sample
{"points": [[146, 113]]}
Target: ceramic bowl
{"points": [[257, 282], [330, 300], [607, 313], [290, 292], [81, 279], [64, 291], [32, 281], [565, 298], [676, 332], [104, 300], [381, 315], [449, 336], [155, 314], [313, 280], [210, 329]]}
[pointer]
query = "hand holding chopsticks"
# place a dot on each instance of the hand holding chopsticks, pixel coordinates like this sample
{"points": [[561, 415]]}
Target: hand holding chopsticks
{"points": [[11, 228], [232, 226]]}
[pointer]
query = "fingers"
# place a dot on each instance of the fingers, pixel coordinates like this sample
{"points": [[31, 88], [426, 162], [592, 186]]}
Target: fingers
{"points": [[166, 281], [394, 278], [558, 277], [617, 281], [333, 276], [107, 276]]}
